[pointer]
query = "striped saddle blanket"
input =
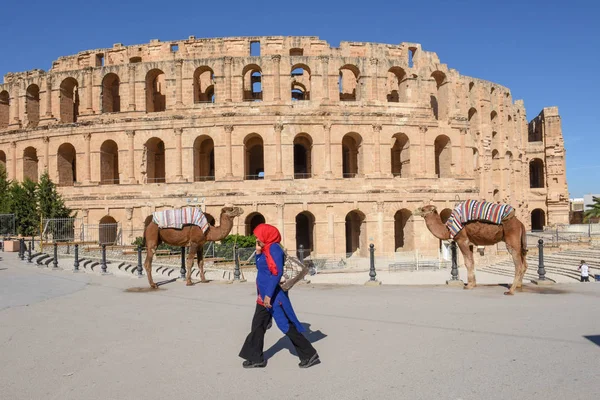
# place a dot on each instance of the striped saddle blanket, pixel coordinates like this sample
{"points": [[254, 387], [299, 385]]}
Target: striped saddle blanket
{"points": [[472, 210], [180, 217]]}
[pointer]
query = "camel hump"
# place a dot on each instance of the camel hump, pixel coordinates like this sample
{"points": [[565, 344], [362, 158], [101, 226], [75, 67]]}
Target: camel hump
{"points": [[510, 215]]}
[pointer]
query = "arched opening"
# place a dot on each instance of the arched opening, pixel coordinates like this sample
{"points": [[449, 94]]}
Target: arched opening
{"points": [[4, 109], [300, 82], [443, 156], [472, 116], [204, 159], [496, 195], [348, 83], [496, 168], [536, 173], [475, 159], [67, 165], [111, 100], [254, 157], [69, 100], [210, 219], [252, 85], [3, 160], [351, 155], [538, 219], [252, 221], [445, 214], [471, 85], [204, 80], [108, 231], [396, 85], [154, 150], [401, 155], [403, 230], [156, 89], [109, 163], [32, 105], [493, 116], [305, 223], [508, 172], [441, 95], [433, 103], [30, 164], [302, 156], [356, 235], [534, 131]]}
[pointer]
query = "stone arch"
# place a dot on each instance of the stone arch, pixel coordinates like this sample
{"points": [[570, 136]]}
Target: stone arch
{"points": [[472, 115], [396, 85], [69, 100], [109, 163], [305, 224], [538, 219], [496, 195], [252, 83], [204, 159], [493, 116], [3, 160], [441, 95], [155, 160], [156, 89], [443, 156], [254, 161], [204, 89], [111, 99], [302, 156], [348, 83], [536, 173], [471, 85], [32, 105], [356, 233], [496, 167], [445, 214], [4, 109], [252, 221], [301, 82], [400, 155], [403, 230], [30, 164], [108, 231], [67, 165], [351, 155]]}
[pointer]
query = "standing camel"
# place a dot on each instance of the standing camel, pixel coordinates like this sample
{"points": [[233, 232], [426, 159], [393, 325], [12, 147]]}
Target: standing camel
{"points": [[511, 231], [188, 235]]}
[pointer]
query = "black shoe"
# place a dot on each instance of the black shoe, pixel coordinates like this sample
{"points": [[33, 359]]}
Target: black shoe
{"points": [[250, 364], [310, 362]]}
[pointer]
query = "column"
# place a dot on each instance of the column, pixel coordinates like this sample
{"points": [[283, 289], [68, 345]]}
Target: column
{"points": [[327, 135], [463, 152], [179, 77], [89, 89], [15, 105], [14, 161], [131, 135], [377, 153], [380, 232], [228, 61], [325, 68], [49, 97], [277, 76], [46, 141], [278, 156], [228, 150], [131, 78], [374, 90], [424, 167], [88, 158], [281, 221], [178, 159]]}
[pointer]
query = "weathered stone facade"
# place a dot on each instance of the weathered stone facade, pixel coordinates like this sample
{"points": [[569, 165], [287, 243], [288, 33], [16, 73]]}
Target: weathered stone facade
{"points": [[335, 146]]}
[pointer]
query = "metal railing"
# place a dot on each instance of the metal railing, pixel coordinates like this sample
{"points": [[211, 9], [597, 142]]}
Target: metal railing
{"points": [[206, 178], [156, 180], [302, 175], [107, 181], [254, 177], [350, 174], [8, 225], [61, 229]]}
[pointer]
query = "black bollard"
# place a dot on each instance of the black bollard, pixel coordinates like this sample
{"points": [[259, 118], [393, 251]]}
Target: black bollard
{"points": [[454, 272], [541, 270], [22, 249], [372, 272], [76, 262], [29, 253], [103, 263], [301, 253], [182, 271], [55, 261], [236, 271], [139, 264]]}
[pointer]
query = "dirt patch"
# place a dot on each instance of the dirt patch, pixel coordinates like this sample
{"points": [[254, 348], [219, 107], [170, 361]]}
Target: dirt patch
{"points": [[142, 289], [542, 290]]}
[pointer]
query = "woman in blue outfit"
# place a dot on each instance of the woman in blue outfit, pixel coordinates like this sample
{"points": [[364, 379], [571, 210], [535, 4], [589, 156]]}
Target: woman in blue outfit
{"points": [[273, 302]]}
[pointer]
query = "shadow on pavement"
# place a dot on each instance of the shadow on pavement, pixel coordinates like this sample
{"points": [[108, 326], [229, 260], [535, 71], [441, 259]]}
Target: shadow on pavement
{"points": [[285, 343]]}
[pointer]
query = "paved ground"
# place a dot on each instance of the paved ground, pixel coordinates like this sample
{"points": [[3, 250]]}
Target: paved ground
{"points": [[84, 336]]}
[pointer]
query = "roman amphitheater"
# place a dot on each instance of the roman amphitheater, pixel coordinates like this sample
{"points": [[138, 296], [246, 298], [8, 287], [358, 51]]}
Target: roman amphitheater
{"points": [[335, 146]]}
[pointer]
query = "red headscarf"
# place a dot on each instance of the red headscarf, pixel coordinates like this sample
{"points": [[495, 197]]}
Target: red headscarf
{"points": [[268, 235]]}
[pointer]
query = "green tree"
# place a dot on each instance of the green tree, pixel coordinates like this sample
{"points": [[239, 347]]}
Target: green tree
{"points": [[593, 211], [51, 203], [25, 208], [5, 202]]}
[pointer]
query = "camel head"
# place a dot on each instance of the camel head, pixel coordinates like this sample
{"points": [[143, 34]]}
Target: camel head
{"points": [[232, 212], [425, 210]]}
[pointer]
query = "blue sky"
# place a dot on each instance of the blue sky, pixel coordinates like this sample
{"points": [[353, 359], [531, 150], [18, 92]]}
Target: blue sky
{"points": [[546, 52]]}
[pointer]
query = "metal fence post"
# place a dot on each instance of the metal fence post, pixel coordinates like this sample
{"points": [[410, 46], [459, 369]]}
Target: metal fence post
{"points": [[103, 263], [372, 274], [301, 253], [139, 261], [236, 271], [76, 262], [541, 270], [55, 261], [22, 249], [29, 254], [454, 280], [182, 270]]}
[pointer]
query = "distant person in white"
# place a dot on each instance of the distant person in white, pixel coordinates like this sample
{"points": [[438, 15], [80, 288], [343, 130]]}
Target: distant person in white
{"points": [[585, 271]]}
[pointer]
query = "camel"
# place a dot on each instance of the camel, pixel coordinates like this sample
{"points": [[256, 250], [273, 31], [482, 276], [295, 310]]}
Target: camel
{"points": [[189, 235], [511, 232]]}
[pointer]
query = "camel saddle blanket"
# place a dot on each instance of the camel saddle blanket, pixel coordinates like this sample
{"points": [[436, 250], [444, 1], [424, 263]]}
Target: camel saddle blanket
{"points": [[178, 218], [472, 210]]}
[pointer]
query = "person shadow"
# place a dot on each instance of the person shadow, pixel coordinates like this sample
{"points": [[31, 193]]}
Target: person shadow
{"points": [[285, 343]]}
